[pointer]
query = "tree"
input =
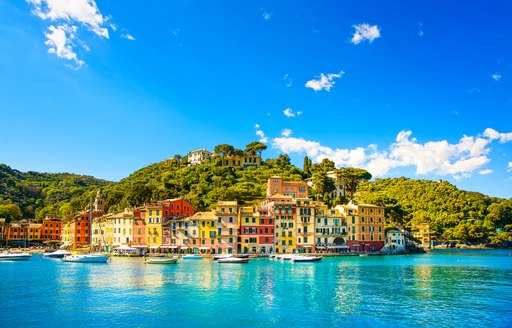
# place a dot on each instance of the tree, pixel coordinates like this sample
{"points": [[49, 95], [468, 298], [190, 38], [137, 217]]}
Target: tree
{"points": [[307, 166], [351, 177], [255, 148], [10, 212], [283, 161], [224, 149]]}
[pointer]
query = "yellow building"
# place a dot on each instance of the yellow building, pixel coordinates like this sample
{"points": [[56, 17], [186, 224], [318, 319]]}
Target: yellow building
{"points": [[365, 226], [208, 238], [66, 236], [305, 222], [152, 215], [422, 232], [284, 210], [226, 213]]}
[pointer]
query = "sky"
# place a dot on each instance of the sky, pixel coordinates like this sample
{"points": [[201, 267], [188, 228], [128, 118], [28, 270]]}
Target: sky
{"points": [[421, 89]]}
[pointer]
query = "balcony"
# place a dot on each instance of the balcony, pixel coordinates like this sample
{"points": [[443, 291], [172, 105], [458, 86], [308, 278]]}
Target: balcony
{"points": [[305, 234]]}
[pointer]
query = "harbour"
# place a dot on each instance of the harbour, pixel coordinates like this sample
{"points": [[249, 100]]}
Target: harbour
{"points": [[445, 288]]}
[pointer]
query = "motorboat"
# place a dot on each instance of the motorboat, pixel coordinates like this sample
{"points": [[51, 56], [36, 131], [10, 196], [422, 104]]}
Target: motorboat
{"points": [[233, 260], [125, 250], [160, 260], [222, 256], [87, 258], [192, 257], [306, 258], [15, 256], [285, 257], [58, 254]]}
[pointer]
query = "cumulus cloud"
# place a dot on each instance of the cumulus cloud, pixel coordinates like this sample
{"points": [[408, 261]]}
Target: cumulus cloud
{"points": [[459, 160], [286, 133], [495, 135], [67, 15], [60, 42], [496, 77], [365, 32], [288, 112], [326, 82], [509, 167], [266, 16], [485, 172], [128, 36], [260, 133]]}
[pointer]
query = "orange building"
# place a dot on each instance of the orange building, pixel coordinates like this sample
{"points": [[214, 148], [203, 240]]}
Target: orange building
{"points": [[51, 230], [294, 189]]}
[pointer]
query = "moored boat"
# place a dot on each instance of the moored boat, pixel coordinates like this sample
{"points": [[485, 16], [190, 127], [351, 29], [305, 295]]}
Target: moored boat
{"points": [[15, 256], [87, 258], [222, 256], [306, 258], [233, 260], [58, 254], [160, 260]]}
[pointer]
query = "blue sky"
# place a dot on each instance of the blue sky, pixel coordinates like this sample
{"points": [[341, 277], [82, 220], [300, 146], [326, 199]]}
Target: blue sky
{"points": [[405, 88]]}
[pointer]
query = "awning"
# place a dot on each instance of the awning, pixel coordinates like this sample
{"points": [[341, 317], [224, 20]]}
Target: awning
{"points": [[320, 247], [338, 246], [204, 248], [140, 246], [184, 247], [305, 246], [154, 247], [169, 246]]}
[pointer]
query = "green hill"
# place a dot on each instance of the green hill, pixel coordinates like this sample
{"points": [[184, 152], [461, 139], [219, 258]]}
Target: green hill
{"points": [[33, 194]]}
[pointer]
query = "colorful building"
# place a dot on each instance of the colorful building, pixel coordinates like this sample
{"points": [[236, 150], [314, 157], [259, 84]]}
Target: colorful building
{"points": [[51, 230], [395, 242], [207, 232], [152, 215], [226, 213], [305, 225], [330, 230], [249, 232], [200, 156], [283, 209], [177, 207], [366, 226], [422, 232], [294, 189]]}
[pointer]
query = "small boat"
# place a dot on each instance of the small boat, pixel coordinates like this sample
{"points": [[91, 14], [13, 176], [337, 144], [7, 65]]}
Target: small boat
{"points": [[285, 257], [192, 257], [58, 254], [233, 260], [15, 256], [160, 260], [222, 256], [87, 258], [306, 258], [242, 256]]}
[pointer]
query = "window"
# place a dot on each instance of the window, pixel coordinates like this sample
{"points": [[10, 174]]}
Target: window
{"points": [[230, 219], [253, 220]]}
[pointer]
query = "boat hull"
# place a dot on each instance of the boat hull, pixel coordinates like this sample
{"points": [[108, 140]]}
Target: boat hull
{"points": [[86, 258], [160, 261], [15, 257], [56, 255], [234, 260]]}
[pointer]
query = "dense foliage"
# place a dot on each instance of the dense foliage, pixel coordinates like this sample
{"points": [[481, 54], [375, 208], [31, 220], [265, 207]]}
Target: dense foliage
{"points": [[453, 214], [33, 195]]}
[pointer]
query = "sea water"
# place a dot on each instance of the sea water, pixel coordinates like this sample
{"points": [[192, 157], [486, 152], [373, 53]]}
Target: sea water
{"points": [[470, 288]]}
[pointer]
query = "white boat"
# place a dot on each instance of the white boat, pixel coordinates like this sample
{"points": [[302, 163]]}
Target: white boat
{"points": [[222, 256], [15, 256], [160, 260], [87, 258], [234, 260], [285, 257], [125, 250], [58, 254], [306, 258], [192, 257]]}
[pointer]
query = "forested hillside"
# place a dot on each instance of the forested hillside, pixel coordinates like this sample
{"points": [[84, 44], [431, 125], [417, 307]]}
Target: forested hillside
{"points": [[453, 213], [32, 194]]}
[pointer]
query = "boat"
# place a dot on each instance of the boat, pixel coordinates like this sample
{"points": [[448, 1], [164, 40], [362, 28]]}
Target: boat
{"points": [[233, 260], [15, 256], [242, 256], [125, 250], [306, 258], [88, 257], [192, 257], [58, 254], [222, 256], [160, 260], [285, 257]]}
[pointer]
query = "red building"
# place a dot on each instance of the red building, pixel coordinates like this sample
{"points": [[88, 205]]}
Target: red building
{"points": [[51, 230], [176, 207]]}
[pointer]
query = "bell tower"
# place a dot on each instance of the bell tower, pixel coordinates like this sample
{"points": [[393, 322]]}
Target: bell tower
{"points": [[98, 202]]}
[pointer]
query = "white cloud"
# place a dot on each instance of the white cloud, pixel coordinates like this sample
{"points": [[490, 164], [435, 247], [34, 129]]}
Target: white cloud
{"points": [[496, 77], [326, 82], [266, 16], [128, 36], [260, 133], [67, 16], [493, 135], [509, 167], [60, 42], [365, 32], [286, 133], [459, 160], [288, 112], [420, 30], [176, 31], [287, 80], [82, 11]]}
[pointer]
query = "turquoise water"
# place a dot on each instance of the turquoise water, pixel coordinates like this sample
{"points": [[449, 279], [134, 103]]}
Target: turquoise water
{"points": [[443, 288]]}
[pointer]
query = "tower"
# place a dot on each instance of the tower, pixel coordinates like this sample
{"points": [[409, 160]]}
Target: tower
{"points": [[98, 202]]}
